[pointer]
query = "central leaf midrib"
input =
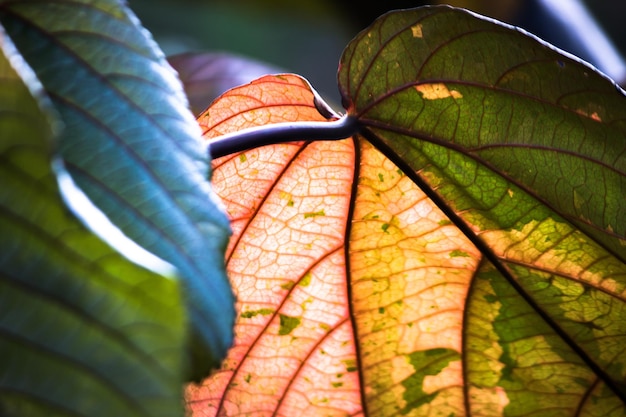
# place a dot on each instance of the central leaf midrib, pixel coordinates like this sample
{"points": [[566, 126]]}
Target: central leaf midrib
{"points": [[492, 257], [351, 313], [370, 123]]}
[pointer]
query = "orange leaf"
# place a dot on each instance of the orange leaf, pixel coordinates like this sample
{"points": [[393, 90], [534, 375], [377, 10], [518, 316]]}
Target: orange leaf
{"points": [[340, 264]]}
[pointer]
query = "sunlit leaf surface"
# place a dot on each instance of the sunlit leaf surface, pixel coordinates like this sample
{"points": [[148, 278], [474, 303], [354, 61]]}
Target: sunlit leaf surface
{"points": [[463, 255], [132, 145], [289, 206], [83, 330]]}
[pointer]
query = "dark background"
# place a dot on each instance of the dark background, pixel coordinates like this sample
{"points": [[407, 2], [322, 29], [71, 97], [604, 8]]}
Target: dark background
{"points": [[307, 37]]}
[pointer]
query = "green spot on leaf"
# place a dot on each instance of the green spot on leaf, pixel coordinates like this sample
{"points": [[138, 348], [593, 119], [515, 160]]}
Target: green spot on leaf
{"points": [[381, 178], [287, 324], [247, 378], [509, 364], [252, 313], [242, 158], [425, 362], [306, 280], [490, 298], [287, 285], [385, 226], [337, 384], [459, 253], [314, 214], [350, 365]]}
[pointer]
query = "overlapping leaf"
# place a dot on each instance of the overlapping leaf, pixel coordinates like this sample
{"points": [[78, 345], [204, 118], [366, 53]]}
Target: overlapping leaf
{"points": [[463, 255], [549, 123], [132, 144], [83, 331], [526, 148]]}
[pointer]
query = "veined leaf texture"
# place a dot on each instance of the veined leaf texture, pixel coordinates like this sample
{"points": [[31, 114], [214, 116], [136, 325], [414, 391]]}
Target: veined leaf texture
{"points": [[83, 329], [464, 254], [131, 144]]}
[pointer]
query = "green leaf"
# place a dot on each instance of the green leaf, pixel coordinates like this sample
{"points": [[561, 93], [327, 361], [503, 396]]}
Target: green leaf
{"points": [[83, 330], [524, 148], [425, 362], [545, 122], [131, 143]]}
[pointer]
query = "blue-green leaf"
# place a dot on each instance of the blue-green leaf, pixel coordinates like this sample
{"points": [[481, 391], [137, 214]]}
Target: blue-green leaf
{"points": [[83, 330], [131, 143]]}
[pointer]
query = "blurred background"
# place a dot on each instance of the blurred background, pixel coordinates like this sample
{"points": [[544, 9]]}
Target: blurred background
{"points": [[307, 37]]}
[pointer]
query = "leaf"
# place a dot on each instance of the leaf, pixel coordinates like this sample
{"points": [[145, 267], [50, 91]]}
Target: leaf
{"points": [[206, 75], [545, 121], [133, 146], [284, 202], [534, 170], [83, 330], [437, 263]]}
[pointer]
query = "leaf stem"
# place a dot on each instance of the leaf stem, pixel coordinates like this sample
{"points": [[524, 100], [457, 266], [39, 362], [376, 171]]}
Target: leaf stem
{"points": [[270, 134]]}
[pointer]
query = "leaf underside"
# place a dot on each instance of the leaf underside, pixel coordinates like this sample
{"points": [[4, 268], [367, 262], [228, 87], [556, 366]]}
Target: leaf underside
{"points": [[83, 331], [463, 255], [131, 143]]}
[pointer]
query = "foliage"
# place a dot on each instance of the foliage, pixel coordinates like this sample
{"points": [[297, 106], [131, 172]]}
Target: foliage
{"points": [[450, 256], [84, 330], [454, 244]]}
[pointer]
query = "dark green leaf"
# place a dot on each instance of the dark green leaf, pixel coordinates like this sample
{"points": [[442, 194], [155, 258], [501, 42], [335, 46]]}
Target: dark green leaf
{"points": [[83, 331], [133, 146]]}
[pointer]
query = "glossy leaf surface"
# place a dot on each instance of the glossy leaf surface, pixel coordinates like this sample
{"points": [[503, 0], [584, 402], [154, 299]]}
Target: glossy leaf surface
{"points": [[133, 146], [83, 330], [462, 256]]}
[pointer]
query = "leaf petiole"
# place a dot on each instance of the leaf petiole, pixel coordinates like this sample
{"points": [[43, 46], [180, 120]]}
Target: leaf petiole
{"points": [[270, 134]]}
